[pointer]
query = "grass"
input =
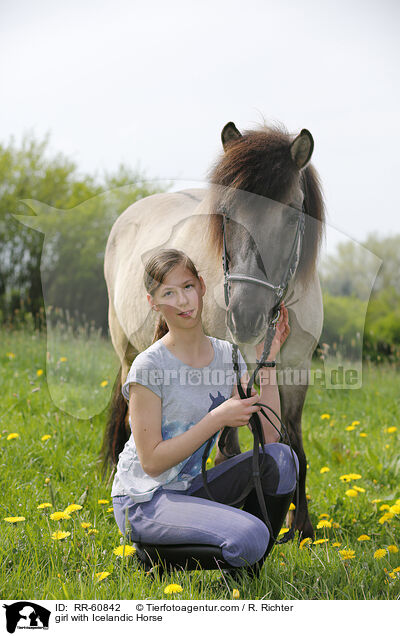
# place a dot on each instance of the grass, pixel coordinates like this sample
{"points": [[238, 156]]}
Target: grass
{"points": [[63, 469]]}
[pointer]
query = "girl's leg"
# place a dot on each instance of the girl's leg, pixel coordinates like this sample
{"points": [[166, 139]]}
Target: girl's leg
{"points": [[173, 518]]}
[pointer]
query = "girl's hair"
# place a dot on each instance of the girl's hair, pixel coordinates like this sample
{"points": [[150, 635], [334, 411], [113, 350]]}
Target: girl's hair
{"points": [[156, 269]]}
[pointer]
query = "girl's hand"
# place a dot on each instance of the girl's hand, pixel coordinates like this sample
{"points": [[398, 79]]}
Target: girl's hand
{"points": [[281, 333], [237, 412]]}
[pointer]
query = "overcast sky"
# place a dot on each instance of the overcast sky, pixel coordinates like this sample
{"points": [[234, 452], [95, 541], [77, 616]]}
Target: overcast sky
{"points": [[151, 84]]}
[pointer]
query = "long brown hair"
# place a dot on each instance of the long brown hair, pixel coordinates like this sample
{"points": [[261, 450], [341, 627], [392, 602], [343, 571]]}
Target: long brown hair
{"points": [[155, 271]]}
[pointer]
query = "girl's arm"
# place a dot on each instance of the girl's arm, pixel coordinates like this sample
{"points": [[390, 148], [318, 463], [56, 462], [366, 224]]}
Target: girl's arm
{"points": [[157, 455]]}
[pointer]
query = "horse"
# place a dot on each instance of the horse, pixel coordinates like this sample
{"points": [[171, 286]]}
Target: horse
{"points": [[260, 174]]}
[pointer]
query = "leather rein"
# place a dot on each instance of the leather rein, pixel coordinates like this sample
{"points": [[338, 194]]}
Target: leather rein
{"points": [[255, 422]]}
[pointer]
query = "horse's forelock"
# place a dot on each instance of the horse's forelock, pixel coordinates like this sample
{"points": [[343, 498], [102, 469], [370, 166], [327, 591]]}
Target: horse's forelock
{"points": [[260, 162]]}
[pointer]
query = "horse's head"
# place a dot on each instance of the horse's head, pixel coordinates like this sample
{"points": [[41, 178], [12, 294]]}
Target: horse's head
{"points": [[263, 190]]}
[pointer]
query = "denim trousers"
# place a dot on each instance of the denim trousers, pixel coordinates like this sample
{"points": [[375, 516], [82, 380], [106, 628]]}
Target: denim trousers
{"points": [[189, 516]]}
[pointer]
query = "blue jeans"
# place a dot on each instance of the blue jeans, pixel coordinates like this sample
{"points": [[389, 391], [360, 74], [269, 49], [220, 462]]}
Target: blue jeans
{"points": [[173, 517]]}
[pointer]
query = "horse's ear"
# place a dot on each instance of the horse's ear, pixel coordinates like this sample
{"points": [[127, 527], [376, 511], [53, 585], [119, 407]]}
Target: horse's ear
{"points": [[302, 148], [229, 133]]}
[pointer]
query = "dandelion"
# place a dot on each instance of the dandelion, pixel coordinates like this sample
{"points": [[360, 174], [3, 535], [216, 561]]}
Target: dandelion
{"points": [[352, 493], [292, 506], [384, 507], [57, 536], [235, 593], [63, 359], [350, 477], [209, 461], [111, 509], [44, 438], [379, 554], [363, 435], [395, 509], [386, 517], [72, 508], [14, 519], [393, 549], [318, 541], [391, 429], [12, 436], [335, 524], [103, 501], [323, 515], [305, 542], [57, 516], [324, 469], [350, 428], [172, 588], [10, 355], [364, 537], [375, 501], [85, 524], [126, 550], [44, 505], [283, 531], [358, 489], [93, 531], [355, 423], [324, 523], [102, 575], [104, 383], [39, 372], [396, 569], [325, 416], [47, 480], [347, 554], [337, 544]]}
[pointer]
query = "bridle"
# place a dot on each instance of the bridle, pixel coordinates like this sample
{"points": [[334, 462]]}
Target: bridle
{"points": [[256, 427]]}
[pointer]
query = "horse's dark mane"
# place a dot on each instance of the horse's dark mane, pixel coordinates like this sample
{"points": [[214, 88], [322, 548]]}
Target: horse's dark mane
{"points": [[260, 162]]}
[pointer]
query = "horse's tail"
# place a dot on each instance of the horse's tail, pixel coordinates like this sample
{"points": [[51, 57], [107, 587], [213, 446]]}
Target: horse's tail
{"points": [[116, 433]]}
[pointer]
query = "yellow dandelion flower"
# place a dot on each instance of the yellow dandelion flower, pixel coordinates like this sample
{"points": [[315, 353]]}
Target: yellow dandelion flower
{"points": [[318, 541], [379, 554], [355, 423], [292, 506], [397, 569], [358, 489], [324, 469], [39, 372], [325, 416], [305, 542], [47, 480], [386, 517], [72, 508], [57, 516], [44, 438], [44, 505], [397, 501], [392, 549], [350, 428], [104, 383], [93, 531], [235, 593], [12, 436], [283, 531], [337, 544], [103, 501], [85, 524], [323, 515], [110, 509], [384, 507], [352, 493], [375, 501], [364, 537], [57, 536], [102, 575], [63, 359], [14, 519], [324, 523], [354, 476], [335, 524], [10, 355], [347, 554], [391, 429], [129, 550], [395, 509], [172, 588], [363, 435]]}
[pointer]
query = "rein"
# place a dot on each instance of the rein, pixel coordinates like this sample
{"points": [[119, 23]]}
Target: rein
{"points": [[255, 422]]}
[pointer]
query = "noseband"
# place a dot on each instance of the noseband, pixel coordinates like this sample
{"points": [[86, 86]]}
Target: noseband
{"points": [[256, 427]]}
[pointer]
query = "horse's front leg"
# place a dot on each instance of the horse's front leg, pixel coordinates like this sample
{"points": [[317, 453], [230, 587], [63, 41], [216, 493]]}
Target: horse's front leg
{"points": [[231, 447], [292, 402]]}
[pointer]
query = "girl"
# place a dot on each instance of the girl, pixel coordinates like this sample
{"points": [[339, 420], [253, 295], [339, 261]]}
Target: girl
{"points": [[181, 392]]}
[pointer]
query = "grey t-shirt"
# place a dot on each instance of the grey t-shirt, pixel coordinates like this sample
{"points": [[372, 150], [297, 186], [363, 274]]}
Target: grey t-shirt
{"points": [[187, 395]]}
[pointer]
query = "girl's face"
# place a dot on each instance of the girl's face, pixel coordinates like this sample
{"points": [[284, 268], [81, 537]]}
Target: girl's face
{"points": [[179, 298]]}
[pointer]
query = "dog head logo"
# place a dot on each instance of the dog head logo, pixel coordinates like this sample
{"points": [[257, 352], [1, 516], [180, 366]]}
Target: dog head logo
{"points": [[26, 615]]}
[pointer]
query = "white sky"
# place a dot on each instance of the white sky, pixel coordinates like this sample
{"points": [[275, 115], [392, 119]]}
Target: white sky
{"points": [[152, 84]]}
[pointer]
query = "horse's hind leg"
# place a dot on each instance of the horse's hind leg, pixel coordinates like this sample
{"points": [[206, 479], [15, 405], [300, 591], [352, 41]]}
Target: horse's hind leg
{"points": [[292, 402]]}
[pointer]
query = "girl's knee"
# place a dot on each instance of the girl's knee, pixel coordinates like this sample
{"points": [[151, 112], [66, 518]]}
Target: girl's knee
{"points": [[287, 465], [246, 544]]}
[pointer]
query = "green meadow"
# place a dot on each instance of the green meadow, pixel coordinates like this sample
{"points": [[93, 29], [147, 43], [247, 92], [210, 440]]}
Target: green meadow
{"points": [[49, 455]]}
